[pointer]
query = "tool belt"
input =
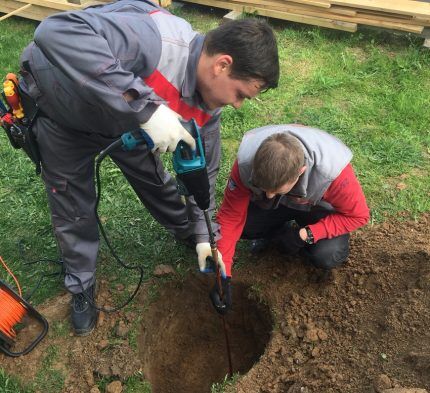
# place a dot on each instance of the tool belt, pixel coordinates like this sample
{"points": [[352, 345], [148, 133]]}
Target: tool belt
{"points": [[19, 130]]}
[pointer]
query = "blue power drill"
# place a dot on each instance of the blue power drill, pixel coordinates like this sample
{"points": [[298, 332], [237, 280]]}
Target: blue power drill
{"points": [[188, 164]]}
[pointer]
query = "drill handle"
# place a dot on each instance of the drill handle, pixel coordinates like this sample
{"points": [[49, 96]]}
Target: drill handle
{"points": [[133, 138], [185, 159]]}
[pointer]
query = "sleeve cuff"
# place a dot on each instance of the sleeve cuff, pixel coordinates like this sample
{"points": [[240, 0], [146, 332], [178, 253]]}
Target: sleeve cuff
{"points": [[318, 231]]}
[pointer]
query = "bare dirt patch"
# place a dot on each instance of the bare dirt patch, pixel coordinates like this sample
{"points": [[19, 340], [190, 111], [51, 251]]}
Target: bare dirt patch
{"points": [[364, 330]]}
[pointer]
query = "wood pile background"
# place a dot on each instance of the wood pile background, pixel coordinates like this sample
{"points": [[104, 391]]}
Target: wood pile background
{"points": [[404, 15]]}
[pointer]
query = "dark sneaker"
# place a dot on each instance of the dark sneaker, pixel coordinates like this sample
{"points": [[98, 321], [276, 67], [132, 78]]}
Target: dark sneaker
{"points": [[84, 315], [257, 246]]}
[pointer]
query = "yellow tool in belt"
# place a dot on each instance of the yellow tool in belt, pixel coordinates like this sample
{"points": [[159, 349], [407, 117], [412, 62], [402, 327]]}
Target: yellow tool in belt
{"points": [[10, 88]]}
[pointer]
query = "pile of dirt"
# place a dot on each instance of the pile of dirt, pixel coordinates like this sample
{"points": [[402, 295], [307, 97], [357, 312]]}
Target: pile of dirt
{"points": [[363, 330]]}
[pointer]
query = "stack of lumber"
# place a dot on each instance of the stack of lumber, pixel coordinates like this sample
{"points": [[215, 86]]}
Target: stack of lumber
{"points": [[405, 15], [40, 9], [34, 9]]}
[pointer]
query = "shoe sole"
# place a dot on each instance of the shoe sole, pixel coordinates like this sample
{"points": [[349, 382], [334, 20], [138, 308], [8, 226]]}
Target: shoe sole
{"points": [[87, 332]]}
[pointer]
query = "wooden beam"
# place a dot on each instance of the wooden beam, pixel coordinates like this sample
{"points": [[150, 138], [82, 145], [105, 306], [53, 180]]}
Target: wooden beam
{"points": [[382, 13], [34, 12], [293, 17], [15, 12], [232, 15], [404, 7], [288, 6], [315, 3], [164, 3], [53, 4], [393, 18]]}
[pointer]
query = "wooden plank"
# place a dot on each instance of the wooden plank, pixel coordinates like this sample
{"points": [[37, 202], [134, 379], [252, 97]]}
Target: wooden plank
{"points": [[15, 12], [393, 18], [370, 20], [315, 3], [53, 4], [164, 3], [421, 21], [232, 15], [34, 12], [387, 23], [342, 11], [404, 7], [288, 6], [310, 20], [382, 13]]}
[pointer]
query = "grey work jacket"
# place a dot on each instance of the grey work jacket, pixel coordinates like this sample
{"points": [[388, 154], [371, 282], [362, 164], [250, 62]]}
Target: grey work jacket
{"points": [[82, 62]]}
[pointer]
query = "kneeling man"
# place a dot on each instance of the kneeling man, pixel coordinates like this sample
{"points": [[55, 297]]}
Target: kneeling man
{"points": [[292, 186]]}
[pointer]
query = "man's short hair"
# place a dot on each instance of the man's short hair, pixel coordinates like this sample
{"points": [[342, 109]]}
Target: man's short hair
{"points": [[252, 45], [277, 162]]}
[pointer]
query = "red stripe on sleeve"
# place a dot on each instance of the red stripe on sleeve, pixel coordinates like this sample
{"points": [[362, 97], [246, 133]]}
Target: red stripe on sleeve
{"points": [[232, 216], [164, 89]]}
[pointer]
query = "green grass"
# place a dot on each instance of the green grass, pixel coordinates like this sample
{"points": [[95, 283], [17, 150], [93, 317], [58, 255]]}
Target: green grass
{"points": [[221, 387], [370, 89], [48, 378], [10, 384]]}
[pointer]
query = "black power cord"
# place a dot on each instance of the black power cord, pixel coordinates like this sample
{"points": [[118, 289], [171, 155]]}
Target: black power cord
{"points": [[99, 160]]}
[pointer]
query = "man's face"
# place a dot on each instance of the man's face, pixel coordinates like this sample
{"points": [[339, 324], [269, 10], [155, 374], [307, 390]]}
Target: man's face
{"points": [[218, 88], [286, 188], [228, 91]]}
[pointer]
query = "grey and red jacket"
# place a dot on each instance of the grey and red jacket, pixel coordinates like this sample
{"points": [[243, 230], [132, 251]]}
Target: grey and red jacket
{"points": [[82, 62], [328, 182]]}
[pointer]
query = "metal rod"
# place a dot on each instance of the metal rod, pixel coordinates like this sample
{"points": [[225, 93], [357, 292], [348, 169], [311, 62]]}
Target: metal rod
{"points": [[214, 251]]}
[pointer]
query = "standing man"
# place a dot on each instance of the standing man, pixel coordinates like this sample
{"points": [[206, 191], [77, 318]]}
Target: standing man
{"points": [[105, 70], [294, 186]]}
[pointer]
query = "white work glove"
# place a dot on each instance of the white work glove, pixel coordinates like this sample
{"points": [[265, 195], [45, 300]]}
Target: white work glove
{"points": [[207, 265], [165, 130]]}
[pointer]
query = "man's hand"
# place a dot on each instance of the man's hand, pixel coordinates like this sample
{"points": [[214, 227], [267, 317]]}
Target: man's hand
{"points": [[165, 130], [290, 239], [206, 262], [222, 306]]}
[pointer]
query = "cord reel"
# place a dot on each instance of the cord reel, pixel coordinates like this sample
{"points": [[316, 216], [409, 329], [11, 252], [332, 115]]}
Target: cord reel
{"points": [[14, 310]]}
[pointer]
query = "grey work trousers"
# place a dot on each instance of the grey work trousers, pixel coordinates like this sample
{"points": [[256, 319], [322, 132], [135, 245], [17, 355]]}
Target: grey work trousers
{"points": [[68, 173], [325, 254]]}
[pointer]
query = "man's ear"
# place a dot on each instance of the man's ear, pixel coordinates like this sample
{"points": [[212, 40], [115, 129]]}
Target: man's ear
{"points": [[222, 64], [302, 170]]}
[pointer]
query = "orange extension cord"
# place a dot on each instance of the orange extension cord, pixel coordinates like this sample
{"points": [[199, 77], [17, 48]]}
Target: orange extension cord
{"points": [[12, 311]]}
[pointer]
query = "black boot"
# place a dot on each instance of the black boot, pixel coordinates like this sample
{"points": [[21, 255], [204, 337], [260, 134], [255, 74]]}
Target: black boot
{"points": [[258, 246], [84, 315]]}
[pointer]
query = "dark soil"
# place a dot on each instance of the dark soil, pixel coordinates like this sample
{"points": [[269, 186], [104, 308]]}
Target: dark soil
{"points": [[364, 329], [184, 348]]}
